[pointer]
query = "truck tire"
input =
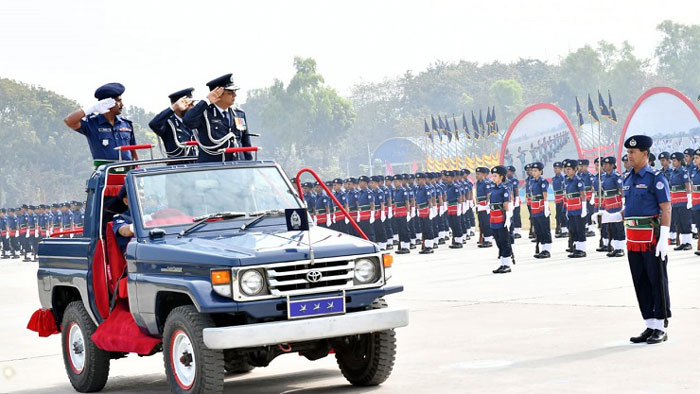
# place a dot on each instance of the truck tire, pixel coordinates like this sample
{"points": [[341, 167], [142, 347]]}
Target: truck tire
{"points": [[367, 359], [86, 365], [189, 365]]}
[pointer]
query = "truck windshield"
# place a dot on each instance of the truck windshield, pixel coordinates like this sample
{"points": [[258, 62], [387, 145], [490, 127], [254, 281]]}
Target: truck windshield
{"points": [[176, 198]]}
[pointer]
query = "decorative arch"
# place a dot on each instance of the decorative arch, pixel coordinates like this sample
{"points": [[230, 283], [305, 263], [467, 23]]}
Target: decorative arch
{"points": [[534, 108], [642, 98]]}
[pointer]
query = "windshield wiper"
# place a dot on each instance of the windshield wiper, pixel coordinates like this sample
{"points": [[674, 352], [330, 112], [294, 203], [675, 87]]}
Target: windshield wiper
{"points": [[260, 216], [200, 220]]}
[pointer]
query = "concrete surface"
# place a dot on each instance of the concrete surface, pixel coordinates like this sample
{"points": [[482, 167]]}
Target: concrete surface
{"points": [[550, 326]]}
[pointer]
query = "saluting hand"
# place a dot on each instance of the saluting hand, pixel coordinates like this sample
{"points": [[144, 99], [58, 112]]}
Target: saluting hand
{"points": [[215, 94], [102, 107], [182, 104]]}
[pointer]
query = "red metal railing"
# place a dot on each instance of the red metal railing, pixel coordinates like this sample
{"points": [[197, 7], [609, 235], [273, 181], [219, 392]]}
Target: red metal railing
{"points": [[330, 194], [133, 148], [240, 150], [66, 232]]}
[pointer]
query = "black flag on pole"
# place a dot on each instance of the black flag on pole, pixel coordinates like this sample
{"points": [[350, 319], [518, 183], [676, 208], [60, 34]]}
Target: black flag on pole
{"points": [[579, 114], [591, 110], [603, 108], [448, 130], [454, 123], [475, 127], [428, 133], [465, 126], [613, 115]]}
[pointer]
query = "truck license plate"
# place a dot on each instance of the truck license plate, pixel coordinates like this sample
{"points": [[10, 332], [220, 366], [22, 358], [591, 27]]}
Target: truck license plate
{"points": [[314, 307]]}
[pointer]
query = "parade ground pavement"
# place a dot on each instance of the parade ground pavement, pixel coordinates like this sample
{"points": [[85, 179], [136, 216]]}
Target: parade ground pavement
{"points": [[551, 326]]}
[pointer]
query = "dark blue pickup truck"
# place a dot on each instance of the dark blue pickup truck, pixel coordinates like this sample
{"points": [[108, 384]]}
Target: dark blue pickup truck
{"points": [[213, 278]]}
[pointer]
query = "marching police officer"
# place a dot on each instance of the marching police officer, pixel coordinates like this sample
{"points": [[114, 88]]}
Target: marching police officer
{"points": [[611, 218], [402, 214], [339, 220], [576, 208], [454, 210], [500, 218], [351, 194], [424, 208], [4, 234], [104, 126], [540, 210], [695, 195], [647, 221], [169, 126], [218, 123], [322, 207], [515, 193], [365, 207], [680, 204], [483, 188], [379, 210], [561, 229]]}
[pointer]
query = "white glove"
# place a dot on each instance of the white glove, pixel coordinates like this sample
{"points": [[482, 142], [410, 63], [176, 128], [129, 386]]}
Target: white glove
{"points": [[444, 207], [459, 209], [333, 217], [102, 106], [690, 201], [584, 210], [358, 216], [391, 212], [509, 216], [430, 214], [517, 201], [36, 233], [26, 235], [662, 244], [488, 209], [546, 210], [347, 221], [592, 201], [413, 212], [371, 217], [408, 218], [382, 216], [328, 218], [7, 235]]}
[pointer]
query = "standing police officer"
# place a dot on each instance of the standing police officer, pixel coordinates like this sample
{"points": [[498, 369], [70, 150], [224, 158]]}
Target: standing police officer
{"points": [[218, 124], [366, 207], [576, 209], [611, 217], [558, 187], [169, 126], [647, 221], [680, 204], [483, 188], [500, 217], [424, 208], [104, 126], [402, 214], [515, 193], [540, 210]]}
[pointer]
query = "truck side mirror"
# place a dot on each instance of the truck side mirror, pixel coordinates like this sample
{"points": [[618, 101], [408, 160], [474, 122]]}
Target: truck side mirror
{"points": [[157, 233]]}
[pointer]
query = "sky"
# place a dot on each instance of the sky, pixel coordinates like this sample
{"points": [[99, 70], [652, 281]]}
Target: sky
{"points": [[157, 47]]}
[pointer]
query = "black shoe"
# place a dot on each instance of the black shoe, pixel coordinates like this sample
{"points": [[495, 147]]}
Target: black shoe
{"points": [[501, 270], [533, 240], [618, 253], [643, 336], [5, 257], [543, 255], [590, 234], [441, 241], [471, 233], [531, 236], [412, 246], [577, 254], [517, 236], [426, 251], [569, 250], [486, 244], [456, 246], [686, 247], [466, 238], [657, 337], [604, 249], [390, 247], [697, 253], [402, 251], [695, 235]]}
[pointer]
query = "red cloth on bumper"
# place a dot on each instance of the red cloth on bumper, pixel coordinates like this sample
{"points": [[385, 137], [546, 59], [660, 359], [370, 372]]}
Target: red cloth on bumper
{"points": [[119, 333], [43, 322]]}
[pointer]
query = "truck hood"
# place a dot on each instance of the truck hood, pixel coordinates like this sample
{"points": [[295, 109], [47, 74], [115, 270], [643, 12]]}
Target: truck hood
{"points": [[258, 245]]}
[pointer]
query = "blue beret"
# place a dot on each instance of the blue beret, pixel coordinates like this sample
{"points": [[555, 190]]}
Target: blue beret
{"points": [[624, 158], [689, 151], [398, 177], [25, 206], [677, 155], [224, 81], [510, 168], [307, 184], [642, 142], [55, 205], [528, 166], [376, 178], [538, 165], [583, 162], [557, 164], [338, 181], [570, 163], [363, 178], [500, 170], [180, 94], [420, 175], [3, 210], [466, 171], [411, 176], [10, 210], [351, 180], [697, 152], [110, 90], [664, 155], [482, 170]]}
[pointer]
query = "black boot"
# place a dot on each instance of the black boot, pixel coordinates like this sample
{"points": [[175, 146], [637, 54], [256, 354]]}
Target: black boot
{"points": [[426, 251], [402, 251], [456, 245], [543, 255], [618, 253]]}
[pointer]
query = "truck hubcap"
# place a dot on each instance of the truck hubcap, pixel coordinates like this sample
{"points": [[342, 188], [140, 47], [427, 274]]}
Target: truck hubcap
{"points": [[76, 348], [182, 359]]}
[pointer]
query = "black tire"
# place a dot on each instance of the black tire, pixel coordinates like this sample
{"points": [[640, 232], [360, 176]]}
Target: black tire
{"points": [[367, 359], [186, 324], [90, 375]]}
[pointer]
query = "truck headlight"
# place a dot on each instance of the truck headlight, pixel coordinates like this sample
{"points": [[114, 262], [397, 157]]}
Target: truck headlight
{"points": [[252, 282], [365, 271]]}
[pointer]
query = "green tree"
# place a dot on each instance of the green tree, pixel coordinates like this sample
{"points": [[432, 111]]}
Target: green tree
{"points": [[508, 93], [678, 55]]}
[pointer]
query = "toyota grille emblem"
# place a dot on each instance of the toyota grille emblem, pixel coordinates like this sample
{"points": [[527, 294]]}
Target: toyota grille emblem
{"points": [[313, 276]]}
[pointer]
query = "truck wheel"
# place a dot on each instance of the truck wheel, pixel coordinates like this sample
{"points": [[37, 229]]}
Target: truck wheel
{"points": [[190, 366], [367, 359], [86, 365]]}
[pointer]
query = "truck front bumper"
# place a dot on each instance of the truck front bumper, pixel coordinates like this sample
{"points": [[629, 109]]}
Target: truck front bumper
{"points": [[288, 331]]}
